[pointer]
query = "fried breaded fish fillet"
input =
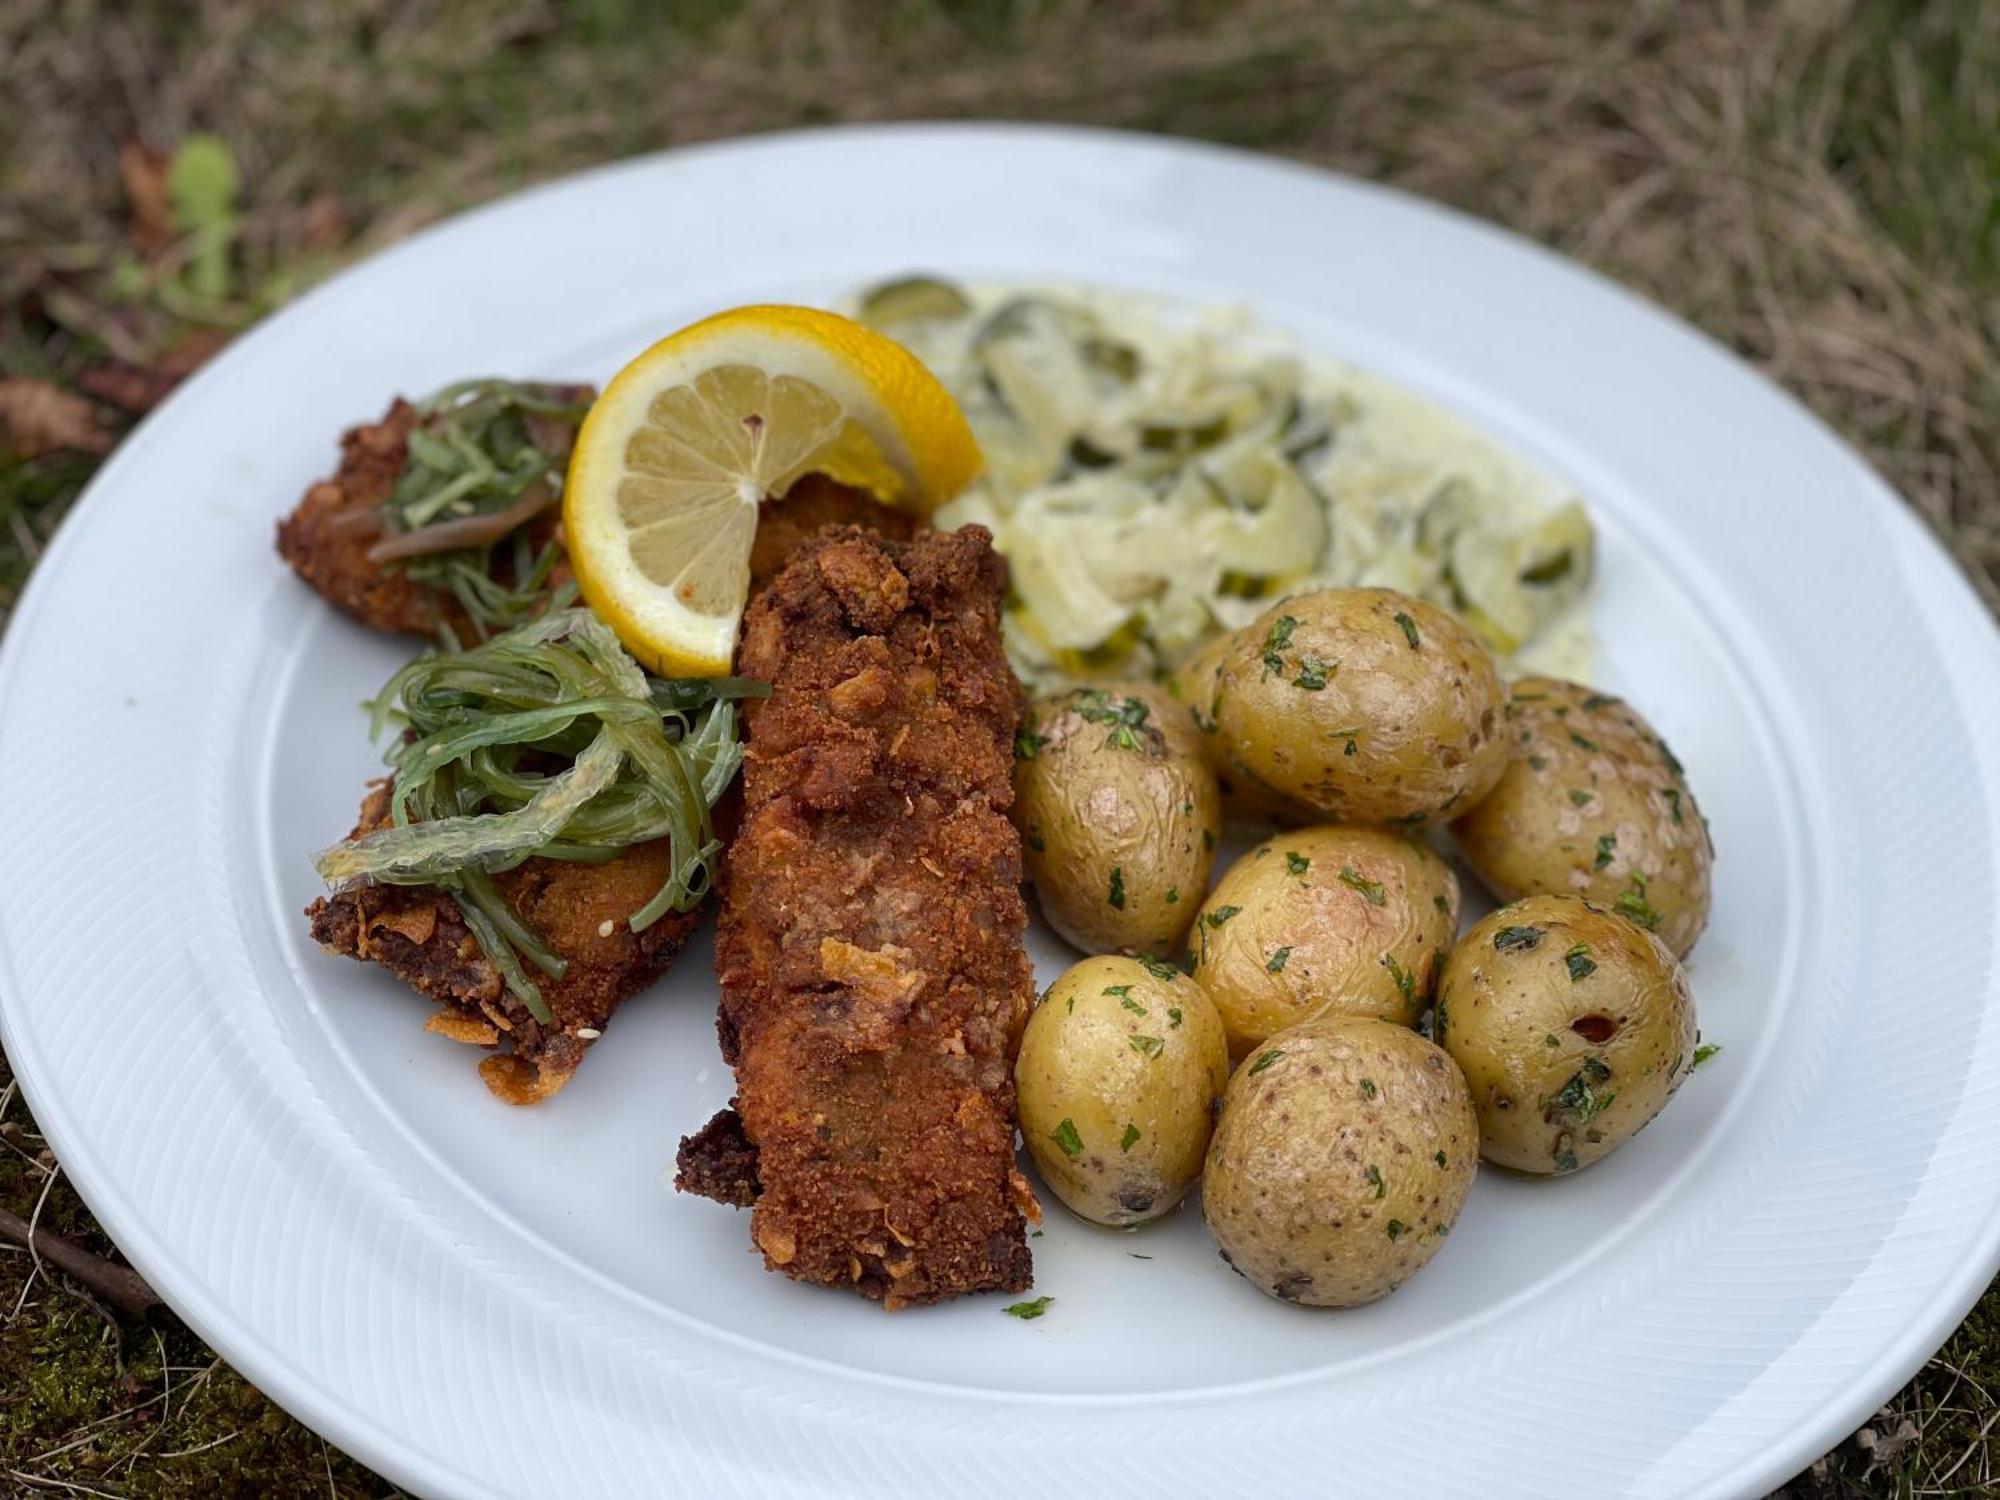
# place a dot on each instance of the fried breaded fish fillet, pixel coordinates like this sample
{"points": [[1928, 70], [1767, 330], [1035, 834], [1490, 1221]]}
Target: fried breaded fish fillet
{"points": [[418, 934], [874, 979]]}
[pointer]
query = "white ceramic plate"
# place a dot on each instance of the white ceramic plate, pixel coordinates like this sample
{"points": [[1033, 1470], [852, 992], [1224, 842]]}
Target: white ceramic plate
{"points": [[479, 1300]]}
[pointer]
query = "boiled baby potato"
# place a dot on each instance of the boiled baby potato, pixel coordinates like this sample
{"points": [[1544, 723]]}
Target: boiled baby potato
{"points": [[1120, 1068], [1366, 705], [1245, 799], [1119, 813], [1344, 1153], [1592, 804], [1355, 920], [1574, 1028]]}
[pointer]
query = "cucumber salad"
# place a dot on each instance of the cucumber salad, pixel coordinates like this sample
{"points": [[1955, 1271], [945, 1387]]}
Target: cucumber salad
{"points": [[1155, 476]]}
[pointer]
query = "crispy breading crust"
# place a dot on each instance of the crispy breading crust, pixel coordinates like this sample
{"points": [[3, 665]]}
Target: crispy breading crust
{"points": [[331, 555], [874, 979], [418, 934]]}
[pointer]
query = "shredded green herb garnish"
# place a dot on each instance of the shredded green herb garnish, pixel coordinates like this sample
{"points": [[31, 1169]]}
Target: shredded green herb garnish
{"points": [[1265, 1060], [1276, 962], [1296, 863], [1409, 630], [1067, 1140], [547, 741], [1027, 1312], [484, 459]]}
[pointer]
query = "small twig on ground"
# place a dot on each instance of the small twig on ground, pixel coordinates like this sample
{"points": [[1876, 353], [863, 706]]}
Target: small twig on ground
{"points": [[121, 1286], [49, 1482]]}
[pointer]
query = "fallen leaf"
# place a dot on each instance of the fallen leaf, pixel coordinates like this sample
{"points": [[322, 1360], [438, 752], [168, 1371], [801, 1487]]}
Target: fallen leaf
{"points": [[325, 224], [144, 173], [37, 418], [139, 388], [1886, 1450]]}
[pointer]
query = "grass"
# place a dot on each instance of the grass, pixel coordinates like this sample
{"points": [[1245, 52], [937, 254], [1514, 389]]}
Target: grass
{"points": [[1816, 183]]}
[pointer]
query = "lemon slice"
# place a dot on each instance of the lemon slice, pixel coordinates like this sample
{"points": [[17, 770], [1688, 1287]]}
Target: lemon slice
{"points": [[690, 438]]}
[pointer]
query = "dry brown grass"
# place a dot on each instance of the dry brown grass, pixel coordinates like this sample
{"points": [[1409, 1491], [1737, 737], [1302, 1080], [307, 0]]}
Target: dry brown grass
{"points": [[1815, 182]]}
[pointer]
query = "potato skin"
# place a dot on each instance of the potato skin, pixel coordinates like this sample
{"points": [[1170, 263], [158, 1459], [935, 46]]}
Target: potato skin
{"points": [[1592, 804], [1121, 1067], [1344, 1154], [1573, 1027], [1120, 816], [1195, 685], [1353, 920], [1366, 705]]}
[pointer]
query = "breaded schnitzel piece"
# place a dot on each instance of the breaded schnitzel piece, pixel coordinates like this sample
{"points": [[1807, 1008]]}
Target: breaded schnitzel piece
{"points": [[787, 525], [419, 934], [874, 980], [326, 540]]}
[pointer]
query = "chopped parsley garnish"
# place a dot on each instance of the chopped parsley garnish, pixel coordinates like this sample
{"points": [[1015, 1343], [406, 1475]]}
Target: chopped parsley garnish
{"points": [[1131, 1137], [1173, 894], [1579, 1097], [1633, 905], [1126, 716], [1409, 630], [1375, 1180], [1028, 744], [1313, 675], [1368, 1089], [1276, 640], [1117, 892], [1598, 700], [1579, 799], [1128, 1003], [1406, 979], [1703, 1053], [1443, 906], [1606, 843], [1538, 762], [1673, 803], [1296, 863], [1222, 914], [1582, 743], [1027, 1312], [1440, 1159], [1147, 1046], [1067, 1140], [1277, 960], [1395, 1229], [1349, 735], [1550, 1039], [1264, 1060], [1516, 939], [1174, 1016], [1581, 964], [1036, 843], [1122, 991], [1667, 756], [1371, 890], [1165, 973]]}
